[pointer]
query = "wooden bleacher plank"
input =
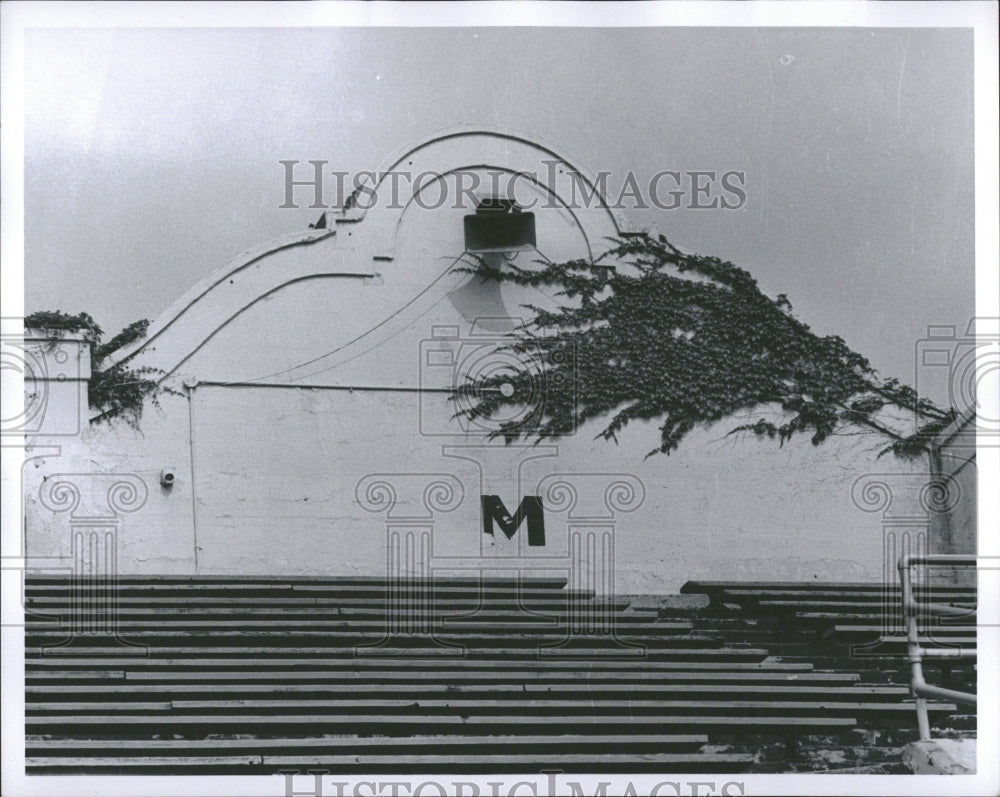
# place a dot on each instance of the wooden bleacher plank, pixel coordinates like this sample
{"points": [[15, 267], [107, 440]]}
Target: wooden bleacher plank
{"points": [[839, 633], [552, 582], [696, 586], [521, 763], [316, 723], [290, 587], [450, 763], [178, 712], [529, 652], [98, 707], [442, 644], [371, 616], [345, 665], [107, 659], [895, 618], [104, 675], [280, 657], [373, 605], [825, 619], [339, 644], [344, 628], [459, 684], [966, 631], [334, 630], [327, 744], [363, 614], [303, 679], [71, 765], [473, 704], [848, 596], [845, 606]]}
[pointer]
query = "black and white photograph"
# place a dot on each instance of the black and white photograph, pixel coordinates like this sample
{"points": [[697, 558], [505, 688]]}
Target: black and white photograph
{"points": [[497, 399]]}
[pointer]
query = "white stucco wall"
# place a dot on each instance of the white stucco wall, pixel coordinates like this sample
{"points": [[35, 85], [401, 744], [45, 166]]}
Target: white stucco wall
{"points": [[955, 530], [282, 495], [304, 385]]}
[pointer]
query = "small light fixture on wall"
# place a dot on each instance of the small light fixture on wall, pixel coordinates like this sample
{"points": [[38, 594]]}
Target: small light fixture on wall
{"points": [[499, 225]]}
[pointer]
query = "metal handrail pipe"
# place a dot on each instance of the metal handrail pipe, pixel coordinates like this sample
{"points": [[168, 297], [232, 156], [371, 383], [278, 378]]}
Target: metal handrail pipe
{"points": [[964, 654], [938, 609], [956, 560], [929, 690], [919, 688]]}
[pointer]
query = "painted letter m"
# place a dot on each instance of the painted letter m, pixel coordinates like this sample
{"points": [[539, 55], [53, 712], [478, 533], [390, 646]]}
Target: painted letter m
{"points": [[530, 509]]}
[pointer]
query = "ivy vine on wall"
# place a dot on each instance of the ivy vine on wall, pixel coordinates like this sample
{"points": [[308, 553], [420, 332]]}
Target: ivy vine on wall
{"points": [[116, 391], [686, 340]]}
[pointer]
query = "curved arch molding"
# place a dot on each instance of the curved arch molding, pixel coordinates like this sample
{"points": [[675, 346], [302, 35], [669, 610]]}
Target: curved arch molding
{"points": [[459, 148], [213, 302]]}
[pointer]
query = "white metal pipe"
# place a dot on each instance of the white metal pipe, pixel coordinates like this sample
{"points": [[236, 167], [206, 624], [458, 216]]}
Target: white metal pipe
{"points": [[919, 688]]}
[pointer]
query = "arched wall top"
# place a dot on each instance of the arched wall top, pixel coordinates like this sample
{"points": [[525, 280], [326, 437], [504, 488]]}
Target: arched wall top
{"points": [[471, 148], [591, 233], [203, 287], [222, 296], [442, 144]]}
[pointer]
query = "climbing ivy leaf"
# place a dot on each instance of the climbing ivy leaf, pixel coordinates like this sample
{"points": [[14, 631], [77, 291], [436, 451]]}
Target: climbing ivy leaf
{"points": [[116, 391], [687, 340]]}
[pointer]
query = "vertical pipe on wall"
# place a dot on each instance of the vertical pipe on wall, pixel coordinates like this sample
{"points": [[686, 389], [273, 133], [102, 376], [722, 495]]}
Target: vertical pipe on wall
{"points": [[189, 393]]}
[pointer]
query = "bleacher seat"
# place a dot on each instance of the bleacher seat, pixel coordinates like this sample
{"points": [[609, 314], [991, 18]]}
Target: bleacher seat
{"points": [[213, 675]]}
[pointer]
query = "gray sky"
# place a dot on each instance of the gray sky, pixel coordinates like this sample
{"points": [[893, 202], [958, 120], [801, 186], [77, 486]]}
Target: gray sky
{"points": [[152, 154]]}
